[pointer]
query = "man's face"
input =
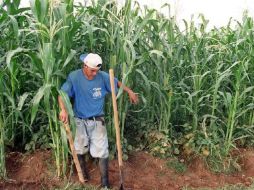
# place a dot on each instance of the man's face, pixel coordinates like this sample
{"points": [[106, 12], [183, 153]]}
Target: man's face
{"points": [[90, 72]]}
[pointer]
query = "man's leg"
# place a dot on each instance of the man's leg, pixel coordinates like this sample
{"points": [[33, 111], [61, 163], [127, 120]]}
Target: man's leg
{"points": [[99, 149], [81, 144], [81, 159], [103, 165]]}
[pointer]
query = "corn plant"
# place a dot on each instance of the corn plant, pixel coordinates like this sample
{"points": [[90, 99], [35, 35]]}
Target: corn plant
{"points": [[195, 85]]}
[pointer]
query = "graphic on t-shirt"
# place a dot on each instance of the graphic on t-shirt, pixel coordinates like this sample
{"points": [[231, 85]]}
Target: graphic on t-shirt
{"points": [[96, 93]]}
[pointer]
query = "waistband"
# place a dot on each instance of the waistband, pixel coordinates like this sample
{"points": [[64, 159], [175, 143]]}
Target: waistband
{"points": [[92, 118]]}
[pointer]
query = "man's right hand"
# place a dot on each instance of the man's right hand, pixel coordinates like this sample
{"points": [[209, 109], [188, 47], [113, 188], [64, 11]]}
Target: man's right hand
{"points": [[63, 116]]}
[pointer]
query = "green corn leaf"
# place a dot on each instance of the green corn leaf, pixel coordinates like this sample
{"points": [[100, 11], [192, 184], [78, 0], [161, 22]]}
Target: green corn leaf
{"points": [[12, 53], [22, 100], [37, 99], [68, 107], [69, 58]]}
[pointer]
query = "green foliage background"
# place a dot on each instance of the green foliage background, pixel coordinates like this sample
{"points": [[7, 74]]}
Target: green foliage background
{"points": [[195, 86]]}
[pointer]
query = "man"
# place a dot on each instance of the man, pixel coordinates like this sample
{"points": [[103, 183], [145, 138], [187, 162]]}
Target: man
{"points": [[88, 87]]}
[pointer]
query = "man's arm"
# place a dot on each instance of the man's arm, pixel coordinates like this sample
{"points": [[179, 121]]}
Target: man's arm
{"points": [[63, 116], [133, 96]]}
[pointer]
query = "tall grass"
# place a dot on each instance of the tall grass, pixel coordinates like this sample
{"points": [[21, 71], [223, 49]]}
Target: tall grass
{"points": [[35, 65], [195, 86]]}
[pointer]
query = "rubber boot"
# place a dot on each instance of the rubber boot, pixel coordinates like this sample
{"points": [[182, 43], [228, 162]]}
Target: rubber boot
{"points": [[103, 165], [82, 163]]}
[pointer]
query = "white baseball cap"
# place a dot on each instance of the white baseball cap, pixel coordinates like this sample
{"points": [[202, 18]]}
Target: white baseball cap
{"points": [[92, 60]]}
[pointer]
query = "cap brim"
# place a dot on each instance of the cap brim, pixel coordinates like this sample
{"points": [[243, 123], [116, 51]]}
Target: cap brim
{"points": [[82, 57]]}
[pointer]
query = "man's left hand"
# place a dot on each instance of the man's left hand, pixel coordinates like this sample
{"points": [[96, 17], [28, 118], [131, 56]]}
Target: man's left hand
{"points": [[133, 97]]}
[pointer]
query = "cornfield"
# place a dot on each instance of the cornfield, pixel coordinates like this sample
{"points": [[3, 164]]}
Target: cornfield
{"points": [[196, 86]]}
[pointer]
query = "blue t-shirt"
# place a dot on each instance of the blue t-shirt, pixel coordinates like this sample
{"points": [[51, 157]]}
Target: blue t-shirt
{"points": [[88, 95]]}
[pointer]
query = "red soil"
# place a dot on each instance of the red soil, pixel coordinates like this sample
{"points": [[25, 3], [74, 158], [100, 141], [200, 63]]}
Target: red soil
{"points": [[141, 171]]}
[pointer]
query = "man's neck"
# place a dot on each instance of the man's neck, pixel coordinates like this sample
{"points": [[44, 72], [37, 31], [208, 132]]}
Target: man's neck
{"points": [[85, 74]]}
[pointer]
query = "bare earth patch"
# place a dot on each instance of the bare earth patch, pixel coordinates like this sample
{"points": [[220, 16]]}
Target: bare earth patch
{"points": [[141, 171]]}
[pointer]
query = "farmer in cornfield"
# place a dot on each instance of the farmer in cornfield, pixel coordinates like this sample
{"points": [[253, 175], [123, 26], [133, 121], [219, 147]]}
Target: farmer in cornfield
{"points": [[88, 87]]}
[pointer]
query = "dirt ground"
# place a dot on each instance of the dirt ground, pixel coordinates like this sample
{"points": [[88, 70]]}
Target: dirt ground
{"points": [[141, 171]]}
